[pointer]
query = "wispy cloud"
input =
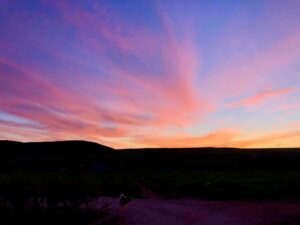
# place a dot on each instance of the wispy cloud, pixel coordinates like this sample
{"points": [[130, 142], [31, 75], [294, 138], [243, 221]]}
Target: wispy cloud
{"points": [[122, 95], [255, 70], [260, 97]]}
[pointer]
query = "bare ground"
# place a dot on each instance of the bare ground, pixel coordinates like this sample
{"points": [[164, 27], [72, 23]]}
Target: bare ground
{"points": [[201, 212]]}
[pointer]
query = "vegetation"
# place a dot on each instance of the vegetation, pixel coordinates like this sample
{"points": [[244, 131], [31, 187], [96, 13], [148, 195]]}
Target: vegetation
{"points": [[72, 191], [225, 184]]}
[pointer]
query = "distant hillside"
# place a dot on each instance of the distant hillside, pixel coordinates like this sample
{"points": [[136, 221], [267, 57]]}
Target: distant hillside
{"points": [[225, 150], [212, 173], [52, 149], [211, 158], [77, 153]]}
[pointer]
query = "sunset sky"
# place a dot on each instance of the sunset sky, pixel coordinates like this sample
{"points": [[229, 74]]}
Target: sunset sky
{"points": [[148, 73]]}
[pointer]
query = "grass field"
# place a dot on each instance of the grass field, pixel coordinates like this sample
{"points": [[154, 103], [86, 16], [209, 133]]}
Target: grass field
{"points": [[74, 189]]}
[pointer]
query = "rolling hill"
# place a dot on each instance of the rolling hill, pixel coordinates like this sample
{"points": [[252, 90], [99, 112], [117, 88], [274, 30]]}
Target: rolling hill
{"points": [[52, 149]]}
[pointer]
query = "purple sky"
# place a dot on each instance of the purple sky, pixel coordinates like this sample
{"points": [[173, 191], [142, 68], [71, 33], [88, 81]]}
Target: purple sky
{"points": [[151, 73]]}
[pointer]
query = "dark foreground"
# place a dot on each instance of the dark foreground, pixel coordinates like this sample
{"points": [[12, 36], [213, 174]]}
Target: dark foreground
{"points": [[184, 211], [49, 218], [49, 183], [199, 212]]}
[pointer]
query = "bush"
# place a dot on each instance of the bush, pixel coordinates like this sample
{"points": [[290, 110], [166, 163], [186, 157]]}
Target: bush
{"points": [[53, 191]]}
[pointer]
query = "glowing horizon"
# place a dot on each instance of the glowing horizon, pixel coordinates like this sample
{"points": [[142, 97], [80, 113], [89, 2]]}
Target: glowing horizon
{"points": [[151, 74]]}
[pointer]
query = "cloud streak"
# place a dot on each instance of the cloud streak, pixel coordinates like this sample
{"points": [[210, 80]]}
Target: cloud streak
{"points": [[119, 103], [262, 96]]}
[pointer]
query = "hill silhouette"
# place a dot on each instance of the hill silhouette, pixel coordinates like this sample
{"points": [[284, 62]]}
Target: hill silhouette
{"points": [[52, 149], [22, 155], [215, 173]]}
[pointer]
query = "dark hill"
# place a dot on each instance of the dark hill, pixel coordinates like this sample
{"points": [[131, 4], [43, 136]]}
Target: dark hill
{"points": [[47, 154], [211, 158], [52, 149]]}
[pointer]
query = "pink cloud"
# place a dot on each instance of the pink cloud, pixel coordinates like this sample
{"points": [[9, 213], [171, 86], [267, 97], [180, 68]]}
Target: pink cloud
{"points": [[106, 25], [262, 96], [136, 100], [253, 72]]}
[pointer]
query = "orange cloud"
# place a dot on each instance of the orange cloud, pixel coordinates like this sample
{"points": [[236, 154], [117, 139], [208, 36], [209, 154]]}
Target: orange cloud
{"points": [[219, 138], [279, 139], [223, 138]]}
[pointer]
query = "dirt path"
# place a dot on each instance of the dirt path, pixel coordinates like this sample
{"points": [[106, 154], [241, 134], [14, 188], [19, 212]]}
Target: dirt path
{"points": [[198, 212]]}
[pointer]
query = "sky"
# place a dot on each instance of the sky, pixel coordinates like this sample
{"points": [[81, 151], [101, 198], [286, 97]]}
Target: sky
{"points": [[142, 73]]}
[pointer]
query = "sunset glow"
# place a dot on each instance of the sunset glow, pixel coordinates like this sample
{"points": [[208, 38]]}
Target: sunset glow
{"points": [[131, 74]]}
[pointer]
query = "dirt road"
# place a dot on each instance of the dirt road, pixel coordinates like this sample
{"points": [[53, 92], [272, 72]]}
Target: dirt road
{"points": [[198, 212]]}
